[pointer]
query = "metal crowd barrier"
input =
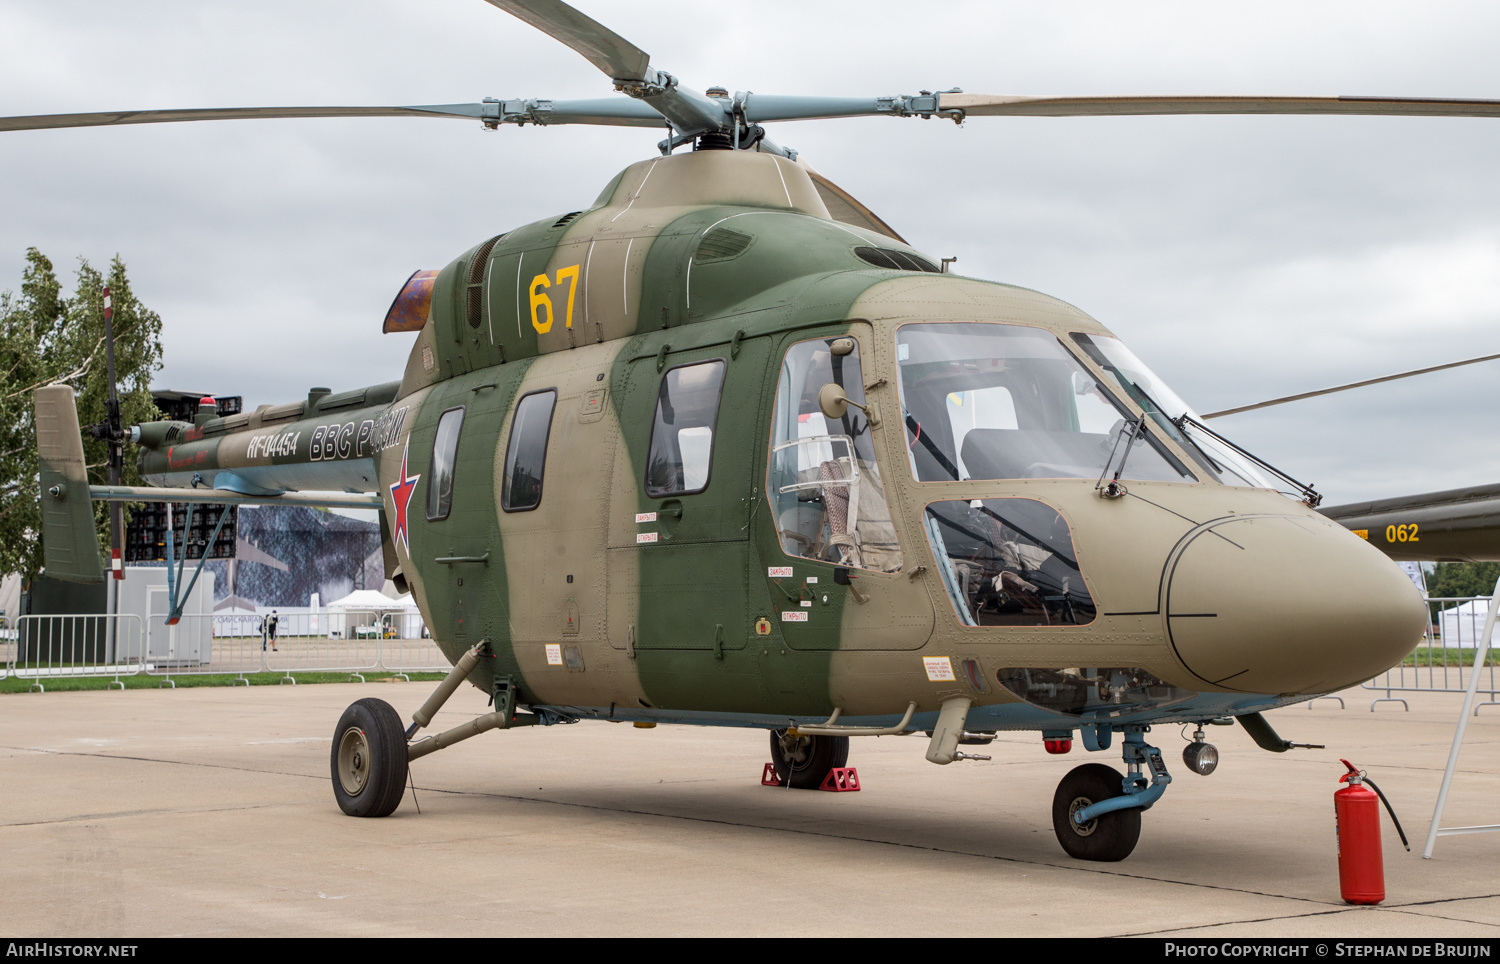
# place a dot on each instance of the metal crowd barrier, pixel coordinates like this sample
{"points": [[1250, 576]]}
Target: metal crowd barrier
{"points": [[8, 634], [61, 647], [335, 641], [412, 655], [1444, 661]]}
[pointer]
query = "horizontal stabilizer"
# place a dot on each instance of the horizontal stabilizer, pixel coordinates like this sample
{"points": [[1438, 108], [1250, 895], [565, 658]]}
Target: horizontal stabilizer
{"points": [[70, 543]]}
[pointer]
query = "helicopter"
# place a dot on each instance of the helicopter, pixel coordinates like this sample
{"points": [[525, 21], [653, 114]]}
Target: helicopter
{"points": [[721, 448], [1454, 525]]}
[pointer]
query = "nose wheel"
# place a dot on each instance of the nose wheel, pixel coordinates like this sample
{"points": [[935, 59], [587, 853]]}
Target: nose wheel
{"points": [[368, 759], [1096, 812], [1107, 837]]}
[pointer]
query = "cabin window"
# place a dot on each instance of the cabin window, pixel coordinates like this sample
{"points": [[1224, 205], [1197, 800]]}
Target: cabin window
{"points": [[444, 454], [682, 435], [826, 489], [526, 454], [987, 401]]}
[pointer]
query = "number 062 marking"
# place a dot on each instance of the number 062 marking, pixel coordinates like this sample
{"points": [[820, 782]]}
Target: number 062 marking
{"points": [[1401, 533], [542, 303]]}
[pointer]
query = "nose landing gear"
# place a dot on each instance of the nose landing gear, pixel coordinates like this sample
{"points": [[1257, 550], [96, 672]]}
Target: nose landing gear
{"points": [[1096, 812]]}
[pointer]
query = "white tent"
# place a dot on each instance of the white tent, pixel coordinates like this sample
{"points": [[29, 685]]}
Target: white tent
{"points": [[371, 601], [400, 614], [1463, 625]]}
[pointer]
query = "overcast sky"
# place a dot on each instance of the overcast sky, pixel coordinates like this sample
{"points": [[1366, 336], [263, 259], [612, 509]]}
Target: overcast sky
{"points": [[1241, 257]]}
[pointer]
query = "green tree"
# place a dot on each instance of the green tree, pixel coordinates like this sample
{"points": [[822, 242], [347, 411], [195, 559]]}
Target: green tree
{"points": [[1450, 579], [47, 337], [1463, 579]]}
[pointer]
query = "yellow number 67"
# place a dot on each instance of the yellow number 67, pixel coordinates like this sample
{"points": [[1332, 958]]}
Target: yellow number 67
{"points": [[540, 301]]}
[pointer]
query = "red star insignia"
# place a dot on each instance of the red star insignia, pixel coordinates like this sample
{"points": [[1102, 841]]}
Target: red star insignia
{"points": [[401, 494]]}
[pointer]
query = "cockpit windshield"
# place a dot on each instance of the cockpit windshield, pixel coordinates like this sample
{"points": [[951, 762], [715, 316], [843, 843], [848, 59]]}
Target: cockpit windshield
{"points": [[1162, 406], [992, 401]]}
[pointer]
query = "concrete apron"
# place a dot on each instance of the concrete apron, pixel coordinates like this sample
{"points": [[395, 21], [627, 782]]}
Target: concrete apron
{"points": [[209, 812]]}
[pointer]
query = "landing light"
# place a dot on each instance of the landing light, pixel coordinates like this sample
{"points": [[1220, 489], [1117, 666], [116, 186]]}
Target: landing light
{"points": [[1200, 757]]}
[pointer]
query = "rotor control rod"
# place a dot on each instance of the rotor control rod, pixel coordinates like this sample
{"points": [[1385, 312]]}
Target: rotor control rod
{"points": [[461, 669]]}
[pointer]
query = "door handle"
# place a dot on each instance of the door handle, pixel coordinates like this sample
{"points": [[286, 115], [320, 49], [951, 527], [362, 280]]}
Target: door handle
{"points": [[483, 560]]}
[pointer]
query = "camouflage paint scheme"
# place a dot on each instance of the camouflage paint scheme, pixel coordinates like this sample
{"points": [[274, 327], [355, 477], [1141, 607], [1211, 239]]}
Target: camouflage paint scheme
{"points": [[1242, 597]]}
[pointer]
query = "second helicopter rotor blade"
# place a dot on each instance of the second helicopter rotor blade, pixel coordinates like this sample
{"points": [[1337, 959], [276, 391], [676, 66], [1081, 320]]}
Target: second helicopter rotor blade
{"points": [[1344, 388]]}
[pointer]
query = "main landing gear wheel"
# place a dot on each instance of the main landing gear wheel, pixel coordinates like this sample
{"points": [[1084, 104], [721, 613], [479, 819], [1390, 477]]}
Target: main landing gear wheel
{"points": [[369, 759], [1111, 836], [803, 761]]}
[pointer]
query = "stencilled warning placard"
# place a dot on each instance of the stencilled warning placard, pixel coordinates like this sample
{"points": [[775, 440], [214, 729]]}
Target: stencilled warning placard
{"points": [[554, 654], [645, 517], [778, 572], [644, 537], [939, 668], [796, 616]]}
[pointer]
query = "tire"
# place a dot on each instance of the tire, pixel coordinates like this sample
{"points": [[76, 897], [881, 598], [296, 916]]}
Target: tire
{"points": [[804, 761], [368, 759], [1111, 836]]}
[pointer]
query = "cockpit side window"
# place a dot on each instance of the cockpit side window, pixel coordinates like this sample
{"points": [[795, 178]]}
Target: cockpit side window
{"points": [[444, 455], [526, 454], [825, 486], [682, 434]]}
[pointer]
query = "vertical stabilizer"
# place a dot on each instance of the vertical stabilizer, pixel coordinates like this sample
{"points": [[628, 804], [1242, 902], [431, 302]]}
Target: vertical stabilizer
{"points": [[70, 543]]}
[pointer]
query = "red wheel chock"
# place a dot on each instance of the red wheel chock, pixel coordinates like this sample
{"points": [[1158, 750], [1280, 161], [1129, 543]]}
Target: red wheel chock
{"points": [[841, 780]]}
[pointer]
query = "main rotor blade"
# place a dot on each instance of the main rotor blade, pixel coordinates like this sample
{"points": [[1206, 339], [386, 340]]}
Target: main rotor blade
{"points": [[989, 105], [111, 118], [617, 57], [610, 111], [627, 65], [1342, 388]]}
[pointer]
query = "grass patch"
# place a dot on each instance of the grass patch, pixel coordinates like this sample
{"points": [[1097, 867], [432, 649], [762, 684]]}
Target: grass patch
{"points": [[1433, 656], [145, 682]]}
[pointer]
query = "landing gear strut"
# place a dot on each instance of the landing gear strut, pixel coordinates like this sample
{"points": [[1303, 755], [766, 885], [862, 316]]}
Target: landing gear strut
{"points": [[370, 755], [1096, 812]]}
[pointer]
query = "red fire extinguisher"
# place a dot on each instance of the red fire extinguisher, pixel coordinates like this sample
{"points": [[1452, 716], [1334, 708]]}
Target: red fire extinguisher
{"points": [[1361, 866]]}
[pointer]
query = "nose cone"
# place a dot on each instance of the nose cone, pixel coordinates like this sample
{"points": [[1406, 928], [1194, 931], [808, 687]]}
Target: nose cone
{"points": [[1284, 604]]}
